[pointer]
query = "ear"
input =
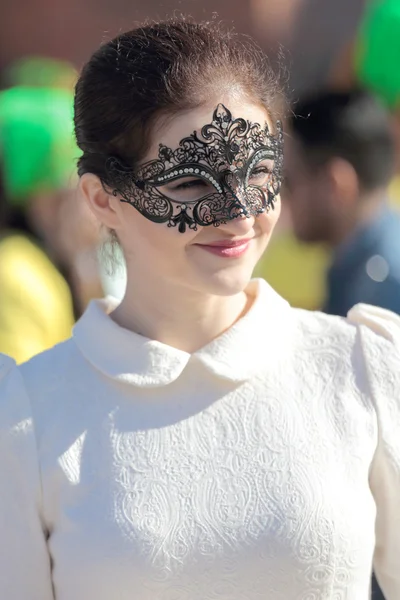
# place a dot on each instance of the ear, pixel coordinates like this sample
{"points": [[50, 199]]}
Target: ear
{"points": [[102, 204], [343, 182]]}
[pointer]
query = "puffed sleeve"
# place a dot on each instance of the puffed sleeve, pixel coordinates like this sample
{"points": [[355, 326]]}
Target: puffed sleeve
{"points": [[25, 572], [379, 332]]}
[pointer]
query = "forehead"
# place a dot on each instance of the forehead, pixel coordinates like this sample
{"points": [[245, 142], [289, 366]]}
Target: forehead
{"points": [[171, 131]]}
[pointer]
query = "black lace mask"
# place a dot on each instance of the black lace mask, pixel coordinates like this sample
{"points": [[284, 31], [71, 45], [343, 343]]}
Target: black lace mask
{"points": [[224, 158]]}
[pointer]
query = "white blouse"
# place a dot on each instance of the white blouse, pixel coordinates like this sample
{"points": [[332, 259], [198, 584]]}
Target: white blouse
{"points": [[265, 466]]}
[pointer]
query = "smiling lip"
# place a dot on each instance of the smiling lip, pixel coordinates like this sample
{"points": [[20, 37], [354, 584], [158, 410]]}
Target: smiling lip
{"points": [[227, 248]]}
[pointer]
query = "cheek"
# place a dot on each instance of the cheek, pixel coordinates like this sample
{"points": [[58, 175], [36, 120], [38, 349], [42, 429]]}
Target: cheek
{"points": [[151, 242]]}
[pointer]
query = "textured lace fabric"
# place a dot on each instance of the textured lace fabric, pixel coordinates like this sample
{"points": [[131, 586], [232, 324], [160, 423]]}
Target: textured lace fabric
{"points": [[241, 472]]}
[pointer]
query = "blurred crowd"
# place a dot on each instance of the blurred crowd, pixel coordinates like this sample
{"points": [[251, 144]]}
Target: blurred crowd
{"points": [[52, 260], [338, 241]]}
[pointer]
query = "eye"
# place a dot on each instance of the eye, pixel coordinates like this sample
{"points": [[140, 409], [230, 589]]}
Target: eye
{"points": [[186, 185], [260, 175], [187, 190]]}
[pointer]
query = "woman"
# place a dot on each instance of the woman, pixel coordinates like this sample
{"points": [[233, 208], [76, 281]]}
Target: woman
{"points": [[201, 440]]}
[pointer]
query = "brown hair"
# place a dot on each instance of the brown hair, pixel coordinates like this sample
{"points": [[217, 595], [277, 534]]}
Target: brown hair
{"points": [[158, 70]]}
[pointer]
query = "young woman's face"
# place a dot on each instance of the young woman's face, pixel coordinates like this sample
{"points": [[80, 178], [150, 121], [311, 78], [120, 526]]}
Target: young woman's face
{"points": [[214, 260]]}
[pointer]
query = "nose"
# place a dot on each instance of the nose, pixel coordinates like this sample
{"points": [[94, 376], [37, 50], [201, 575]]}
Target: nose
{"points": [[240, 226]]}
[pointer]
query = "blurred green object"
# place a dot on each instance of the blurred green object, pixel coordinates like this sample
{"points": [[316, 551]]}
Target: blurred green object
{"points": [[40, 71], [377, 53], [37, 148]]}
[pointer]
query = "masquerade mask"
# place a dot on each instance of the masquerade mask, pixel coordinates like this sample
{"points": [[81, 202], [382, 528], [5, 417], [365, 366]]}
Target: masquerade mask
{"points": [[225, 166]]}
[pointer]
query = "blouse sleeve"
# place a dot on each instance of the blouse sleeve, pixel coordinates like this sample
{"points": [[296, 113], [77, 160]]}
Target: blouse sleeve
{"points": [[24, 561], [379, 332]]}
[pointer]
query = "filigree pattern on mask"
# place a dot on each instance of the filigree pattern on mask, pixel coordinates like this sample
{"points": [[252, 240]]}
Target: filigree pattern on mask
{"points": [[224, 156]]}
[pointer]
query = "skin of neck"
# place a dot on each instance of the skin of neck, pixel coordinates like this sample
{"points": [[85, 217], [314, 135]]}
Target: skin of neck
{"points": [[364, 212], [174, 314]]}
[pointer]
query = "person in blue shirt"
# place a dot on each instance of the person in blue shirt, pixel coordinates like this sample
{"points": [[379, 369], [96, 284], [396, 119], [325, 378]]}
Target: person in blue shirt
{"points": [[339, 163]]}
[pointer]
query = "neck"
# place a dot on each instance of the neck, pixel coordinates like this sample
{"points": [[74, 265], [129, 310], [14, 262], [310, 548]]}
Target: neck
{"points": [[175, 315], [365, 212]]}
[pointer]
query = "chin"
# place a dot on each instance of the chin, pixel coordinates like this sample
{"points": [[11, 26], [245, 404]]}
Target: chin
{"points": [[225, 276], [228, 282]]}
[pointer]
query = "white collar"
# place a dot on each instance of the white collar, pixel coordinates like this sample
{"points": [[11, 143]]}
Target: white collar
{"points": [[235, 355]]}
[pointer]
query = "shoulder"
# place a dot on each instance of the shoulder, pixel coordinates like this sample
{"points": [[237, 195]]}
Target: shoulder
{"points": [[359, 355], [52, 380], [15, 410], [379, 330], [6, 365], [49, 369], [379, 333], [382, 321], [378, 325], [11, 388], [320, 344], [368, 329], [56, 377], [329, 328]]}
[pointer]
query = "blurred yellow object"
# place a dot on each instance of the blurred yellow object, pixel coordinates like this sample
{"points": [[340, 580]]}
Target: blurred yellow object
{"points": [[296, 271], [394, 192], [36, 306]]}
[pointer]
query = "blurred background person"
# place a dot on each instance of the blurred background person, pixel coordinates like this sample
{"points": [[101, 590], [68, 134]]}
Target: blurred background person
{"points": [[339, 163], [37, 162], [78, 234], [371, 60], [95, 266], [338, 47]]}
